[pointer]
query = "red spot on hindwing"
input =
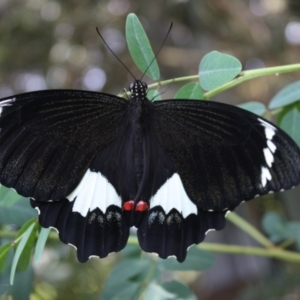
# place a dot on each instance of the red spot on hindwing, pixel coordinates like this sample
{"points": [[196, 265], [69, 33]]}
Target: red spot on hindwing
{"points": [[141, 206], [128, 205]]}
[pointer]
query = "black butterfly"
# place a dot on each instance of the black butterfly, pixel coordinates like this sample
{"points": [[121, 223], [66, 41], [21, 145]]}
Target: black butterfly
{"points": [[95, 164]]}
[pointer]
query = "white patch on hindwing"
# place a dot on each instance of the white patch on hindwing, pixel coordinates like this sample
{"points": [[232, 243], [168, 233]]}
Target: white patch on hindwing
{"points": [[268, 152], [172, 195], [94, 191]]}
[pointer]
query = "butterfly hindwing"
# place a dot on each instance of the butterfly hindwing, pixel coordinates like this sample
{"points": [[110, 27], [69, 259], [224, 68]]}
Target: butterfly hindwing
{"points": [[172, 233], [96, 233], [91, 217], [224, 154]]}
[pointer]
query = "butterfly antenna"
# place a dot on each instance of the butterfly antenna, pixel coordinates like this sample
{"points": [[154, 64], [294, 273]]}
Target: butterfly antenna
{"points": [[112, 52], [158, 50]]}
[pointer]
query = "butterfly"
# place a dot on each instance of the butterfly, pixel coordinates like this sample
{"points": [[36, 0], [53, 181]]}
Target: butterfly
{"points": [[94, 165]]}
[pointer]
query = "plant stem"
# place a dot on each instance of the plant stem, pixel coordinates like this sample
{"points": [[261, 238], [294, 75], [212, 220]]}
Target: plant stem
{"points": [[249, 229], [247, 75], [236, 249], [179, 79], [244, 76]]}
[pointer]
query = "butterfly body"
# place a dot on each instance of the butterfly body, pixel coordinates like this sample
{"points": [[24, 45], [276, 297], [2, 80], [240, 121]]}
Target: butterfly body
{"points": [[95, 164]]}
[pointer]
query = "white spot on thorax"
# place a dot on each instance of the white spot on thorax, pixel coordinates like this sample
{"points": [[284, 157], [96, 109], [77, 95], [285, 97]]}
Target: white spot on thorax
{"points": [[172, 195], [94, 191]]}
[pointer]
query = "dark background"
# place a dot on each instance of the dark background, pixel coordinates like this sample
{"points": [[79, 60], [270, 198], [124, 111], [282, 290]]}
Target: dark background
{"points": [[54, 44]]}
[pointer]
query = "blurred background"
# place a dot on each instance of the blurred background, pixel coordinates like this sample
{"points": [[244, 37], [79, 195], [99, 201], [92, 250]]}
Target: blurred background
{"points": [[54, 45]]}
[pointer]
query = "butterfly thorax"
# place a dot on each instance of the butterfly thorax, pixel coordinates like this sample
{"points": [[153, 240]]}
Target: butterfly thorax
{"points": [[138, 89], [139, 103], [138, 116]]}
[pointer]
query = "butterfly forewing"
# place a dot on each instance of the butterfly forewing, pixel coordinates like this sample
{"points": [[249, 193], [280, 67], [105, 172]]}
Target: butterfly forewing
{"points": [[223, 154], [48, 139]]}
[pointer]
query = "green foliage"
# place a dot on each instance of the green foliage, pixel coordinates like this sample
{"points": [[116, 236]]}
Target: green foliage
{"points": [[140, 48], [24, 245], [139, 276], [14, 209], [289, 121], [217, 68], [288, 95], [8, 197], [40, 244], [4, 251], [153, 95], [178, 290], [280, 230], [190, 91], [255, 107], [172, 290], [196, 260]]}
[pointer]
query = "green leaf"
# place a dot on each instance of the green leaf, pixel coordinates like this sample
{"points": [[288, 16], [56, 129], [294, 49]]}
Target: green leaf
{"points": [[19, 251], [124, 277], [8, 196], [216, 69], [40, 244], [294, 229], [22, 287], [289, 121], [190, 91], [197, 259], [18, 213], [255, 107], [131, 251], [140, 48], [126, 270], [279, 229], [179, 290], [288, 95], [275, 226], [153, 95], [25, 226], [155, 291], [125, 290], [26, 253], [4, 251]]}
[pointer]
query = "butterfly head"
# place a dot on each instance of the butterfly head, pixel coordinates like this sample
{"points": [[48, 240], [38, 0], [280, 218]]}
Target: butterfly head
{"points": [[138, 88]]}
